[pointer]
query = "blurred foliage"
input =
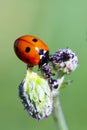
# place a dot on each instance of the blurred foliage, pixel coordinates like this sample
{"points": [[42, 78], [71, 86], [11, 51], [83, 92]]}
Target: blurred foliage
{"points": [[60, 24]]}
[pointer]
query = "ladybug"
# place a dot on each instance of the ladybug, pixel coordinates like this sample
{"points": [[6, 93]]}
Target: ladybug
{"points": [[31, 50]]}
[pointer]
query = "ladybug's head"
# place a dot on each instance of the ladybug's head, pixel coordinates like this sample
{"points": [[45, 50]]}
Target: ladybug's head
{"points": [[44, 57]]}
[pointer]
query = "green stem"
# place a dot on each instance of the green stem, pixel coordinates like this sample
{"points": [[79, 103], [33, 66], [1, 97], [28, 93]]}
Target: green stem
{"points": [[58, 115]]}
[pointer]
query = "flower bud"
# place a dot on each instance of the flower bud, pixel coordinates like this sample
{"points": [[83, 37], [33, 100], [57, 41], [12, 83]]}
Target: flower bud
{"points": [[36, 95], [64, 61]]}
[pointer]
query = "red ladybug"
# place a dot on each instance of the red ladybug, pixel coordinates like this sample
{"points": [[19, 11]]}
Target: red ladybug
{"points": [[31, 50]]}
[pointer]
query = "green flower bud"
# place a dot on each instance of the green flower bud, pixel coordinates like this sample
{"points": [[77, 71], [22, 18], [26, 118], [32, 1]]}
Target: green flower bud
{"points": [[36, 95]]}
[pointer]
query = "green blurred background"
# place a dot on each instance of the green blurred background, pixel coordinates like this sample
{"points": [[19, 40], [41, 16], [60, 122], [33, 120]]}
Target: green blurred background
{"points": [[59, 23]]}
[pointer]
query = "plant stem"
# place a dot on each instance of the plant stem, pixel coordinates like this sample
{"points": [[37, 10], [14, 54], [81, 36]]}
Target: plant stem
{"points": [[58, 115]]}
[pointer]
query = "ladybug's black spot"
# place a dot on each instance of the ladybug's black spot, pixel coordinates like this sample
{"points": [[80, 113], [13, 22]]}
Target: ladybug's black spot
{"points": [[16, 49], [27, 49], [34, 40]]}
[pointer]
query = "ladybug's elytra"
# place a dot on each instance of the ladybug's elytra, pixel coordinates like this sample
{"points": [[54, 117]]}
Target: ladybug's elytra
{"points": [[31, 50], [34, 51]]}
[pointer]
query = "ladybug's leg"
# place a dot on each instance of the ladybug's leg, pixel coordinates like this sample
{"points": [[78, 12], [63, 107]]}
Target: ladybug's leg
{"points": [[29, 67]]}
